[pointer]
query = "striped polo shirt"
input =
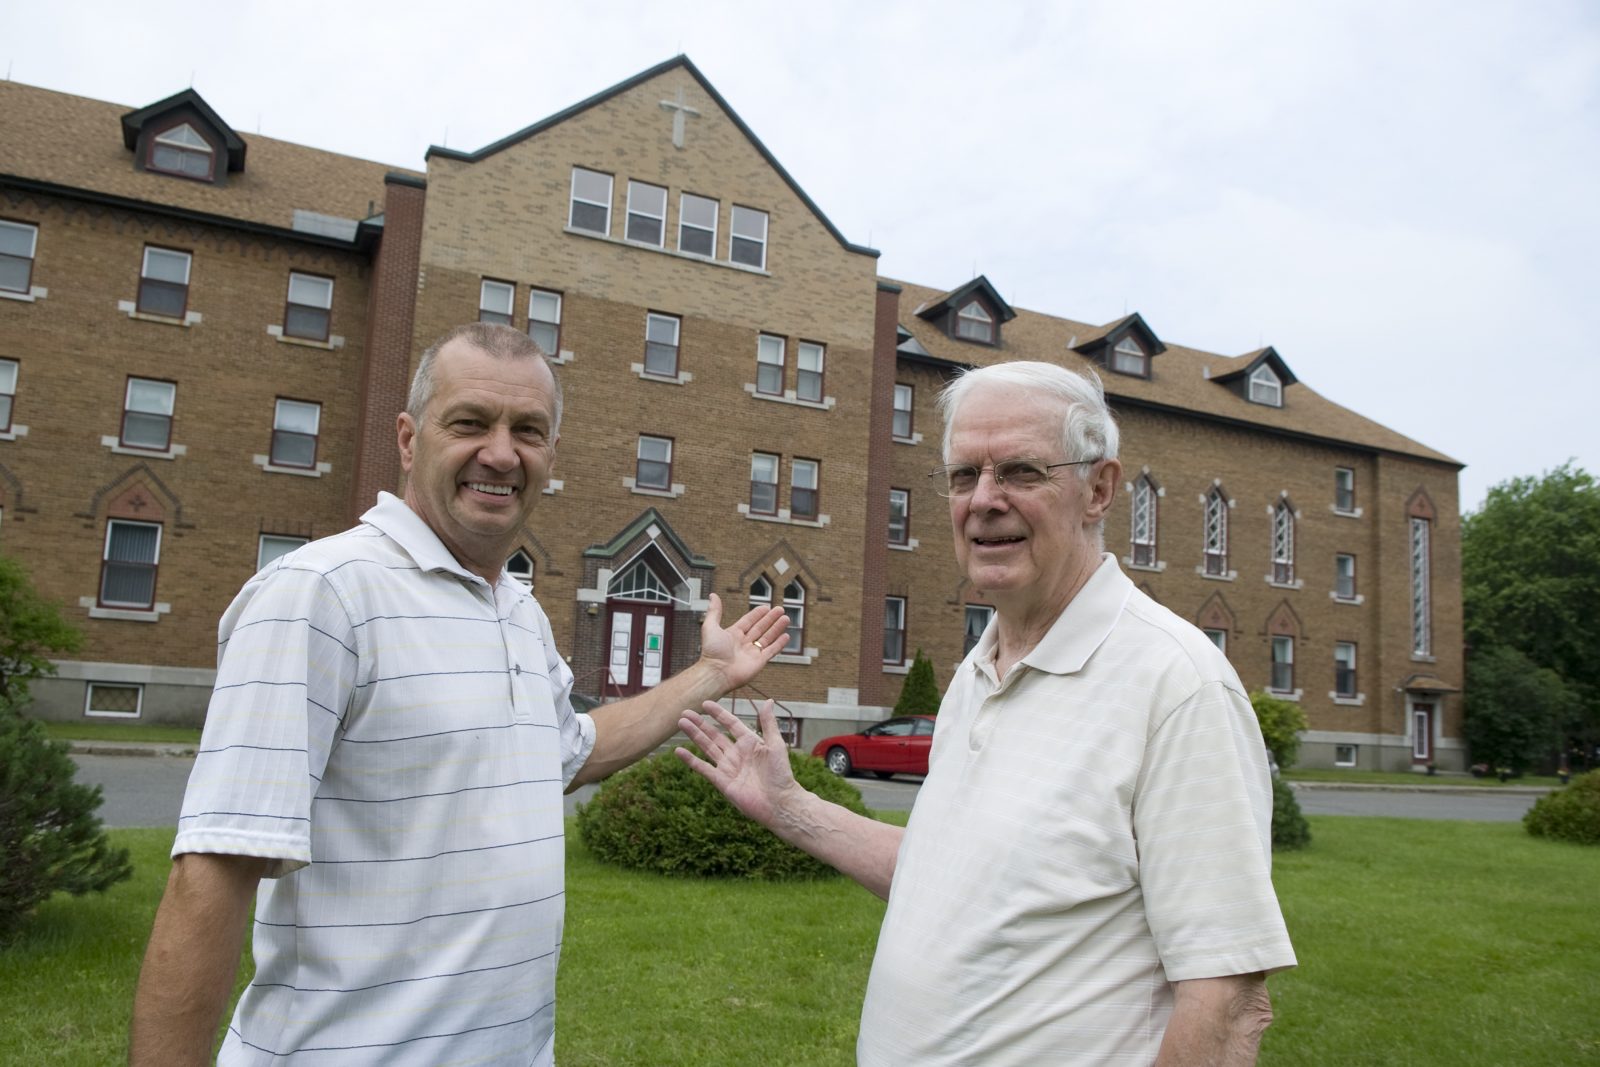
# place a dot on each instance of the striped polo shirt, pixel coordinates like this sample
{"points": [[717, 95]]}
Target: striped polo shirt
{"points": [[395, 732]]}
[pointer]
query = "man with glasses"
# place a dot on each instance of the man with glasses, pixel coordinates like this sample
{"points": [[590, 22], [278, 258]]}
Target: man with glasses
{"points": [[1085, 877]]}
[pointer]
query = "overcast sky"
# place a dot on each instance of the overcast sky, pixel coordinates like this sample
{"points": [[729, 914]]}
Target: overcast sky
{"points": [[1403, 198]]}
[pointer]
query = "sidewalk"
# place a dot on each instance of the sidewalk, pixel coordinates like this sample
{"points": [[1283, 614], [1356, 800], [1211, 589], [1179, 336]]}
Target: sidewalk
{"points": [[130, 748]]}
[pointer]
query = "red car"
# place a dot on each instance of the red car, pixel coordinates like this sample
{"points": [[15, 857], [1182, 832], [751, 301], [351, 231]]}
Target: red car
{"points": [[895, 746]]}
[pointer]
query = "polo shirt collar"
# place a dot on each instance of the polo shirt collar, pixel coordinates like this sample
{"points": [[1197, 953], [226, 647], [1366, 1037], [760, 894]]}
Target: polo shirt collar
{"points": [[405, 528], [1085, 623]]}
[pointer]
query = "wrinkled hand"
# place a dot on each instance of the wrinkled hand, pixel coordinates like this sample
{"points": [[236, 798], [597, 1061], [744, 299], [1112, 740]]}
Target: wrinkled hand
{"points": [[750, 769], [740, 651]]}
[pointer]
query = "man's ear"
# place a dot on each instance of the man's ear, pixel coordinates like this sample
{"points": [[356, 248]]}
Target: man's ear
{"points": [[1102, 490], [406, 433]]}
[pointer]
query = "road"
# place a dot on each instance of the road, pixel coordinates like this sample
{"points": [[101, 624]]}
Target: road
{"points": [[148, 791]]}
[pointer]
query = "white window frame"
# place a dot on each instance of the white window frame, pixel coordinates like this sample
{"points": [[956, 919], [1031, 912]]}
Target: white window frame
{"points": [[816, 354], [684, 205], [756, 462], [309, 303], [651, 320], [128, 408], [146, 277], [285, 543], [1265, 387], [795, 608], [1218, 637], [1215, 546], [1143, 528], [1421, 587], [1285, 644], [637, 193], [800, 470], [1339, 655], [747, 215], [974, 323], [640, 459], [575, 200], [186, 148], [91, 712], [1343, 475], [1346, 755], [768, 346], [909, 392], [487, 311], [10, 371], [1127, 357], [905, 516], [278, 427], [32, 233], [105, 559], [540, 325], [1339, 576], [970, 635], [896, 606], [523, 572], [1283, 532]]}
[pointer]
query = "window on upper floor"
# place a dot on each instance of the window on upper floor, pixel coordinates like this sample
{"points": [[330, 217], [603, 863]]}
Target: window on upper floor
{"points": [[591, 201], [1283, 543], [654, 467], [1144, 525], [295, 424], [661, 344], [18, 243], [1344, 489], [902, 426], [1265, 387], [181, 150], [128, 564], [1421, 587], [899, 517], [1128, 358], [804, 491], [647, 214], [544, 321], [747, 238], [808, 371], [8, 392], [147, 414], [519, 567], [1344, 576], [976, 620], [974, 323], [273, 547], [794, 606], [1344, 668], [310, 306], [164, 282], [1282, 664], [495, 300], [697, 225], [770, 359], [1216, 533], [763, 483], [894, 629]]}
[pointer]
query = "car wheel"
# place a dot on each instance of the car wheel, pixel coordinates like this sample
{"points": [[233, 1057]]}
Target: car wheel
{"points": [[838, 761], [884, 774]]}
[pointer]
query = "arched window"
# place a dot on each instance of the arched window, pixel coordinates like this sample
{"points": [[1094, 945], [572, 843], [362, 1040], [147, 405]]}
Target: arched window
{"points": [[1283, 543], [639, 582], [794, 606], [520, 567], [181, 150], [1216, 537], [1265, 388], [760, 592], [1144, 522], [1128, 358], [973, 323]]}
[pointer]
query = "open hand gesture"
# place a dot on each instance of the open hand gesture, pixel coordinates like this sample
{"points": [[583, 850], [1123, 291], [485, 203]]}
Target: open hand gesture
{"points": [[740, 651], [751, 769]]}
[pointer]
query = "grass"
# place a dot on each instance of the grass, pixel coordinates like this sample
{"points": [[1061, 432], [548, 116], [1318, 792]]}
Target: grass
{"points": [[1411, 778], [121, 731], [1420, 943]]}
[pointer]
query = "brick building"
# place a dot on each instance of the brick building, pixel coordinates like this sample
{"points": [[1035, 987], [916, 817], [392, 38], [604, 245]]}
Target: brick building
{"points": [[205, 337]]}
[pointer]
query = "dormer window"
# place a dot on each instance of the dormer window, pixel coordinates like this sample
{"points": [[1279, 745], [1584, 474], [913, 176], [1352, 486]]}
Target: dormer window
{"points": [[182, 151], [1128, 358], [1265, 388], [973, 323]]}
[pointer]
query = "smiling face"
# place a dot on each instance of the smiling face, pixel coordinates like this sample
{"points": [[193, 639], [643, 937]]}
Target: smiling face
{"points": [[481, 452]]}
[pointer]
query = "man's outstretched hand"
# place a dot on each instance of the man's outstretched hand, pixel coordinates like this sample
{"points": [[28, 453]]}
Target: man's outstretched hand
{"points": [[751, 769]]}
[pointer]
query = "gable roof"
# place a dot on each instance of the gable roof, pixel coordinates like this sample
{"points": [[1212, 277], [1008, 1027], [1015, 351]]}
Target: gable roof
{"points": [[957, 298], [135, 121], [1114, 332], [624, 86], [1269, 356]]}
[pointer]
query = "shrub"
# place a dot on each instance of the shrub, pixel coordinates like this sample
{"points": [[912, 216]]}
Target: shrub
{"points": [[661, 816], [1289, 827], [49, 834], [1281, 723], [919, 695], [31, 628], [1570, 814]]}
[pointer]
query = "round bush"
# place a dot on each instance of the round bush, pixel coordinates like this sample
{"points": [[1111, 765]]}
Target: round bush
{"points": [[1570, 814], [660, 816], [1289, 827]]}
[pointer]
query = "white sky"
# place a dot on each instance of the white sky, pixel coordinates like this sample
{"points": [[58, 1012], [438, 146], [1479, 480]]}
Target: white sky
{"points": [[1402, 198]]}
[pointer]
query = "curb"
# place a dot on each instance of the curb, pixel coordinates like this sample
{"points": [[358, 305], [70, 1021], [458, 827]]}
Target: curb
{"points": [[1447, 790], [129, 748]]}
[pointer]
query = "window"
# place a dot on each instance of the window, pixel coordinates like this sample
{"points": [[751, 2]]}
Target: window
{"points": [[894, 629], [747, 241], [113, 701], [294, 433], [310, 305], [654, 468], [164, 282], [1421, 593], [647, 213], [973, 323], [763, 484], [760, 592], [1344, 755], [697, 225], [8, 392], [18, 241], [1218, 638], [1344, 489], [147, 414], [128, 569], [1344, 668], [661, 345], [544, 321], [977, 620], [899, 516], [1283, 543], [794, 606], [1283, 664], [808, 372], [1144, 522], [181, 150], [803, 476], [902, 412], [274, 547], [591, 201], [494, 302], [1128, 358], [519, 567], [1344, 576], [1265, 388], [769, 364], [1216, 548]]}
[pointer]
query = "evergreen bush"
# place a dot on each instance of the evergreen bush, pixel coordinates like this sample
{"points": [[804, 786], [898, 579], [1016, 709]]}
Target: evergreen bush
{"points": [[1290, 830], [919, 695], [1281, 722], [661, 816], [1570, 814]]}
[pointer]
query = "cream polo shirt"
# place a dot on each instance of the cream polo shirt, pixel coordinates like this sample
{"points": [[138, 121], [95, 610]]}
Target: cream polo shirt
{"points": [[1093, 827], [396, 733]]}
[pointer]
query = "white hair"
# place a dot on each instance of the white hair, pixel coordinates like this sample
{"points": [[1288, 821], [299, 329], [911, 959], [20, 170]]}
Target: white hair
{"points": [[1088, 430]]}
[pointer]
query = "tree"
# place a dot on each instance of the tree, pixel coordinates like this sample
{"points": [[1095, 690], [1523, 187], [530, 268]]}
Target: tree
{"points": [[920, 693], [1281, 722], [1517, 711], [30, 628]]}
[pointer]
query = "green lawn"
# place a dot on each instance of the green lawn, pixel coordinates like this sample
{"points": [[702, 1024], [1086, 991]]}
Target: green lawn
{"points": [[121, 731], [1411, 778], [1421, 943]]}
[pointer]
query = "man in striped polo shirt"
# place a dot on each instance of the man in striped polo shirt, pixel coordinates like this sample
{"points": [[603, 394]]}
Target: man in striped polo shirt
{"points": [[384, 759], [1085, 878]]}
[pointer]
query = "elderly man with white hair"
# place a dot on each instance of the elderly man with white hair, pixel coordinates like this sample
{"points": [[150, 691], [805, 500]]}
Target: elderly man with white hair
{"points": [[1086, 876]]}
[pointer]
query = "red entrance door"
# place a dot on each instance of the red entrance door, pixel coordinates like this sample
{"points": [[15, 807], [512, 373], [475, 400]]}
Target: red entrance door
{"points": [[639, 636]]}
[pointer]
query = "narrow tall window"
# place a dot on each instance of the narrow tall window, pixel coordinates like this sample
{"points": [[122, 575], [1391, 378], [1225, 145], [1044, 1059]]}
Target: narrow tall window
{"points": [[1344, 576], [976, 620], [808, 371], [769, 365], [1344, 489], [760, 592], [1283, 664], [295, 424], [18, 242], [273, 547], [899, 517], [494, 302], [1216, 544], [654, 469], [974, 323], [310, 306], [591, 201], [902, 412], [803, 488], [1283, 543], [661, 345], [794, 606], [1344, 668], [1144, 522], [128, 566], [8, 392], [147, 414], [519, 568], [544, 321], [697, 225], [181, 150], [747, 240], [763, 484], [647, 213], [1265, 388], [894, 629], [164, 282], [1421, 591], [1128, 358]]}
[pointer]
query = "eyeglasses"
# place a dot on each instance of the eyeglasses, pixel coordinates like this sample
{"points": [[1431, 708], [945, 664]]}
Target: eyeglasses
{"points": [[1010, 476]]}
